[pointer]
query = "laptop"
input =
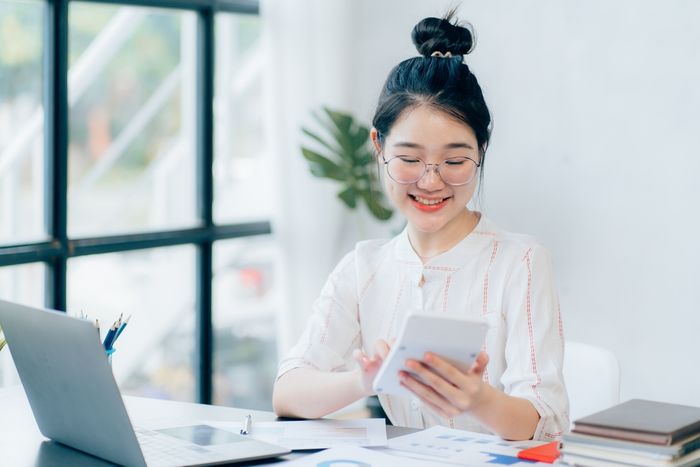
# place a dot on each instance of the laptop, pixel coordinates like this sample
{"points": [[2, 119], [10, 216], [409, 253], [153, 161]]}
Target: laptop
{"points": [[75, 399]]}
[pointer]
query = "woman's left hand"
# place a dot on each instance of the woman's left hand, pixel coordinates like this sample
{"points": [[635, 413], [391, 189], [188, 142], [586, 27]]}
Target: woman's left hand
{"points": [[443, 386]]}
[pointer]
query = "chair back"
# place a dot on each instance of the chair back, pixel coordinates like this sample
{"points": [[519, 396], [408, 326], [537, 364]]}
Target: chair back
{"points": [[592, 378]]}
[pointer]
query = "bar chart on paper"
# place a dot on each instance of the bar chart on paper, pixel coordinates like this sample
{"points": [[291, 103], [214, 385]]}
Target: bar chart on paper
{"points": [[461, 447]]}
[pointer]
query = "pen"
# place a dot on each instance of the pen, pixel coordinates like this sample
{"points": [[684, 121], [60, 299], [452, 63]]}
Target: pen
{"points": [[121, 329], [109, 338], [246, 424]]}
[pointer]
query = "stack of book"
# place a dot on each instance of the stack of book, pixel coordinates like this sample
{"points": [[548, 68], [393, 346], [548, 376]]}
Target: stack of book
{"points": [[635, 433]]}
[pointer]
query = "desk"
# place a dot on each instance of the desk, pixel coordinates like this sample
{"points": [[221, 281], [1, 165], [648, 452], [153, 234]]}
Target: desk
{"points": [[23, 445]]}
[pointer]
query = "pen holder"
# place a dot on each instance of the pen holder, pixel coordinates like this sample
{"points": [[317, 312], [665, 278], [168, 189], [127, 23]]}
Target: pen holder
{"points": [[110, 352]]}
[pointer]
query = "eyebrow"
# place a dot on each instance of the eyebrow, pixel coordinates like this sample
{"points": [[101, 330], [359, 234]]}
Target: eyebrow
{"points": [[406, 144]]}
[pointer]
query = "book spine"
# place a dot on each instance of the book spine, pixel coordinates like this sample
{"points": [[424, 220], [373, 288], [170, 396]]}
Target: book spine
{"points": [[676, 450], [638, 436]]}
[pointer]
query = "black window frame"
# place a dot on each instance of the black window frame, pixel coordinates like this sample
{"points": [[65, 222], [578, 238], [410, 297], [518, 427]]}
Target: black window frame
{"points": [[59, 247]]}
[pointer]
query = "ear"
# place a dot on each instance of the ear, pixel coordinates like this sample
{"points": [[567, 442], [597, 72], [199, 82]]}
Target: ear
{"points": [[374, 135]]}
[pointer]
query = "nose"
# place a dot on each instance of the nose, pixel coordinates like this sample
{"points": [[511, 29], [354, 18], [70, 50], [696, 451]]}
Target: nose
{"points": [[431, 179]]}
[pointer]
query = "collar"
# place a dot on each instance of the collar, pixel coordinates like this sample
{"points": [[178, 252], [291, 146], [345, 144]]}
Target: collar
{"points": [[481, 237]]}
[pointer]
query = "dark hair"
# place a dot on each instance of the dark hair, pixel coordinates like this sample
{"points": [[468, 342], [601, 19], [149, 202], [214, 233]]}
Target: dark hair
{"points": [[437, 79]]}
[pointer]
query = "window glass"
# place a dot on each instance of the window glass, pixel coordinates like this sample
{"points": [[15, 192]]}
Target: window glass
{"points": [[22, 284], [246, 299], [154, 355], [241, 153], [21, 122], [132, 119]]}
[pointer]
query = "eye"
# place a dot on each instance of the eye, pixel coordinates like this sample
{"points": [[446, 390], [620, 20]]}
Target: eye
{"points": [[456, 161], [408, 159]]}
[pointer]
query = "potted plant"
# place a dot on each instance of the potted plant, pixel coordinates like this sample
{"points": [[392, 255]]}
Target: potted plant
{"points": [[347, 158]]}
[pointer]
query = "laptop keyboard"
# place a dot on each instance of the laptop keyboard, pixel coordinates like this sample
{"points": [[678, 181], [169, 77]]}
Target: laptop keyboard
{"points": [[160, 450]]}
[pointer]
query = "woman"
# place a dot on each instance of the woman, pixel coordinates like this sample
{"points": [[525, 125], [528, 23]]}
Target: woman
{"points": [[431, 131]]}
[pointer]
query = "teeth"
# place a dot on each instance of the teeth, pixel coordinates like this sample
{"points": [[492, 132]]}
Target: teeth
{"points": [[428, 202]]}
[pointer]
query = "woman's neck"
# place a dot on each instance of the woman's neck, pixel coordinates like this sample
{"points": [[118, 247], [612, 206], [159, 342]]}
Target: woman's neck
{"points": [[430, 244]]}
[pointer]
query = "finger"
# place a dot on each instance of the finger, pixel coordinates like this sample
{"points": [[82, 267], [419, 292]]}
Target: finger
{"points": [[444, 368], [381, 349], [361, 358], [427, 395], [480, 363], [444, 388]]}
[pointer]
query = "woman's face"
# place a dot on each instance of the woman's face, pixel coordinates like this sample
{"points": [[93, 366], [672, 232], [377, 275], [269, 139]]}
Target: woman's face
{"points": [[429, 204]]}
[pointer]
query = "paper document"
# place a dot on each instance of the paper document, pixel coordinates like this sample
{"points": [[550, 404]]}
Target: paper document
{"points": [[315, 434], [452, 446], [353, 456]]}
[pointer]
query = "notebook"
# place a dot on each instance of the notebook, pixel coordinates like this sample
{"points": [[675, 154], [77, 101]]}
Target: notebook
{"points": [[643, 421], [75, 399]]}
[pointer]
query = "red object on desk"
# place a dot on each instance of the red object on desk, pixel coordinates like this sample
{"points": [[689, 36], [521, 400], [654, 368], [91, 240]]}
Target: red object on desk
{"points": [[544, 453]]}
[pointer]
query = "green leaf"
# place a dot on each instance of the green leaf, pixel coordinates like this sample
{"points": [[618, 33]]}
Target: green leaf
{"points": [[341, 120], [373, 200], [321, 166], [349, 160], [349, 197], [363, 158], [334, 149], [360, 138], [343, 132]]}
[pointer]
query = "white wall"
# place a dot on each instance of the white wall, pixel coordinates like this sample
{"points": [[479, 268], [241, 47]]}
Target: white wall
{"points": [[596, 111]]}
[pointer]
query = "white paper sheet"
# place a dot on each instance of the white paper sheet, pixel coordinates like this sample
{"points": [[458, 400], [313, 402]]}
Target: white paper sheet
{"points": [[353, 456], [315, 434], [460, 447]]}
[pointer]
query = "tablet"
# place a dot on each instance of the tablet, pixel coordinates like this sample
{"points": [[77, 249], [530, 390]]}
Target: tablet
{"points": [[455, 338]]}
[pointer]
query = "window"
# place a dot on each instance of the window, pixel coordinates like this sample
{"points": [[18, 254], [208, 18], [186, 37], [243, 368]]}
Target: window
{"points": [[125, 157], [246, 296], [21, 122], [131, 144]]}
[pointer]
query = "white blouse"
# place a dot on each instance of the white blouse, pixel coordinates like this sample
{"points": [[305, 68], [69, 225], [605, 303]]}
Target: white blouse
{"points": [[504, 278]]}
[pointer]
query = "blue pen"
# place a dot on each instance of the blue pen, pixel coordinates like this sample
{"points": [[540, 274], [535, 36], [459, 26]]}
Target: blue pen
{"points": [[109, 338], [121, 329]]}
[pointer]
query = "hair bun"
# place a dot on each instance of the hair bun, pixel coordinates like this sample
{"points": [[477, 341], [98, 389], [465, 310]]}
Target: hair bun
{"points": [[441, 35]]}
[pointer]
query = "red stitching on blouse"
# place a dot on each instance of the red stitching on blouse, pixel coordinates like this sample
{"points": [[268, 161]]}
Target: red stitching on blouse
{"points": [[561, 326], [452, 422], [482, 232], [441, 268], [311, 364], [326, 325], [304, 361], [533, 359], [553, 435], [396, 305], [366, 286], [352, 342], [447, 287], [484, 308]]}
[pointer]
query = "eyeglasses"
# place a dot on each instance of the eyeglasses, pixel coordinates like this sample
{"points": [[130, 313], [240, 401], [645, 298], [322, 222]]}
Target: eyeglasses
{"points": [[453, 171]]}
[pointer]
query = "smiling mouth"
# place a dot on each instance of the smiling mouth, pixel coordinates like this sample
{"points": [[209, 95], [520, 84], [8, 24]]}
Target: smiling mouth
{"points": [[426, 201]]}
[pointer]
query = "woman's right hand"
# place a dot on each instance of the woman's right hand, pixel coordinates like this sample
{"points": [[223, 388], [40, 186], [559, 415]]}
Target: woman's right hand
{"points": [[369, 366]]}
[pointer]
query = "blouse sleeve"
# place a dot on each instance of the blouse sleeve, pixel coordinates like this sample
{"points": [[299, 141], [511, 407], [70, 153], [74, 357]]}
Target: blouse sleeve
{"points": [[534, 350], [333, 330]]}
